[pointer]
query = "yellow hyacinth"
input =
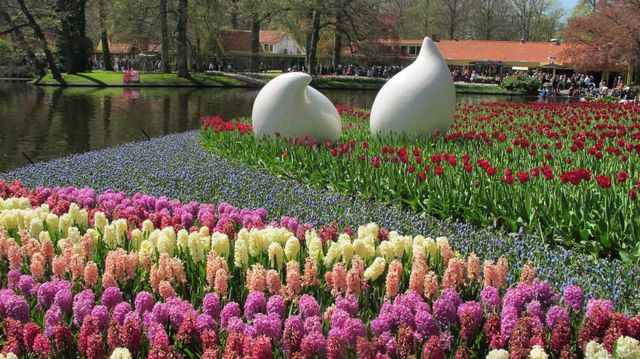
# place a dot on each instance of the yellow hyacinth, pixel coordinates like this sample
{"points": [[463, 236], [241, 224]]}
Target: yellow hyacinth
{"points": [[198, 246], [136, 238], [292, 248], [183, 240], [35, 227], [52, 222], [100, 220], [240, 253], [109, 236], [220, 244], [276, 255], [204, 230], [314, 245], [166, 244], [147, 227], [376, 269]]}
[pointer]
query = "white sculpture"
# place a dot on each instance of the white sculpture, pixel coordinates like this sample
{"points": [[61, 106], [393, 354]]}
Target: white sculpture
{"points": [[418, 101], [289, 106]]}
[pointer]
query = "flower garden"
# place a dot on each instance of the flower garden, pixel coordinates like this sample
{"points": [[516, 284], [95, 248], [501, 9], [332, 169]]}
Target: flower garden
{"points": [[563, 172], [212, 244]]}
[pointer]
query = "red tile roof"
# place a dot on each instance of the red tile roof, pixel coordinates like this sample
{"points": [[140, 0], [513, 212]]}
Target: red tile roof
{"points": [[122, 48], [271, 36], [505, 51], [236, 41]]}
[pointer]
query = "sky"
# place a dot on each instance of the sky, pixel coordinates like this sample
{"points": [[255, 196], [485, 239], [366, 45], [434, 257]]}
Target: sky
{"points": [[568, 4]]}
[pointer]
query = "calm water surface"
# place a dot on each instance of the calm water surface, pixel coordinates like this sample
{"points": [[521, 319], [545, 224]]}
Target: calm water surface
{"points": [[46, 123]]}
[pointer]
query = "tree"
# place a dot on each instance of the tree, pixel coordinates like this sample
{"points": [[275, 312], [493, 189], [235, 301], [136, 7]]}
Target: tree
{"points": [[42, 40], [490, 18], [164, 30], [609, 38], [75, 45], [453, 15], [182, 53], [104, 36]]}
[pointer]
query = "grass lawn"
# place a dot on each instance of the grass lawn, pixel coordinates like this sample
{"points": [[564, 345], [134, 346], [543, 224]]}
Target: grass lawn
{"points": [[108, 78], [330, 82]]}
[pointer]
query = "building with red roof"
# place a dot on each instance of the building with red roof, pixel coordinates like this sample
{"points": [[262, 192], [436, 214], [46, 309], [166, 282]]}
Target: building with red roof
{"points": [[515, 55]]}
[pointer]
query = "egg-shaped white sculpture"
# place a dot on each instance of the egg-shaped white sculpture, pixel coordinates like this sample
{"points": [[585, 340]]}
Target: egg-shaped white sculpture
{"points": [[289, 106], [419, 101]]}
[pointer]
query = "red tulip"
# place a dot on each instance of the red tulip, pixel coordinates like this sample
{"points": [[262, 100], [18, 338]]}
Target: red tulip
{"points": [[603, 180], [523, 176], [622, 176]]}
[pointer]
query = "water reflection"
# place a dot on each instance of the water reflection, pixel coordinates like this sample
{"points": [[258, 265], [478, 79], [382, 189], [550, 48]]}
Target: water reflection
{"points": [[47, 123]]}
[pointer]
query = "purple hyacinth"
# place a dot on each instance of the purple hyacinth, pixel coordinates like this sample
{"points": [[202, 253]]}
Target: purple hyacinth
{"points": [[204, 322], [556, 314], [508, 319], [83, 303], [313, 324], [276, 306], [179, 309], [390, 343], [269, 325], [111, 297], [308, 306], [236, 325], [16, 307], [474, 312], [353, 329], [52, 318], [603, 304], [64, 300], [13, 278], [159, 314], [294, 324], [211, 305], [101, 313], [574, 297], [543, 291], [348, 303], [232, 309], [26, 285], [313, 344], [425, 324], [534, 308], [338, 318], [254, 304], [144, 302], [120, 311], [490, 297], [384, 321], [445, 308]]}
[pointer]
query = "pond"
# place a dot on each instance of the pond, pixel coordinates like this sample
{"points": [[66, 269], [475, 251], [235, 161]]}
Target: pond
{"points": [[43, 123]]}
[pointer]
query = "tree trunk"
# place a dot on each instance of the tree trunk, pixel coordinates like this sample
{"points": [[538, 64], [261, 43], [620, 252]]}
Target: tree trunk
{"points": [[73, 41], [17, 36], [234, 15], [337, 38], [315, 37], [183, 70], [104, 37], [43, 42], [254, 63], [166, 67], [337, 48]]}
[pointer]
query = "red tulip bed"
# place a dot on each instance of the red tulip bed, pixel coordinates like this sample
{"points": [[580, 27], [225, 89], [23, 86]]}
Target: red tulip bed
{"points": [[564, 172]]}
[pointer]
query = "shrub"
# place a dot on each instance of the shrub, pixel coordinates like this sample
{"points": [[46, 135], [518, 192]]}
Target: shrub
{"points": [[521, 84]]}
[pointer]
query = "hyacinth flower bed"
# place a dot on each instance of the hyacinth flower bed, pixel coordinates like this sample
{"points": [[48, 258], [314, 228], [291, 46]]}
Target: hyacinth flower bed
{"points": [[110, 275], [563, 172], [155, 166]]}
